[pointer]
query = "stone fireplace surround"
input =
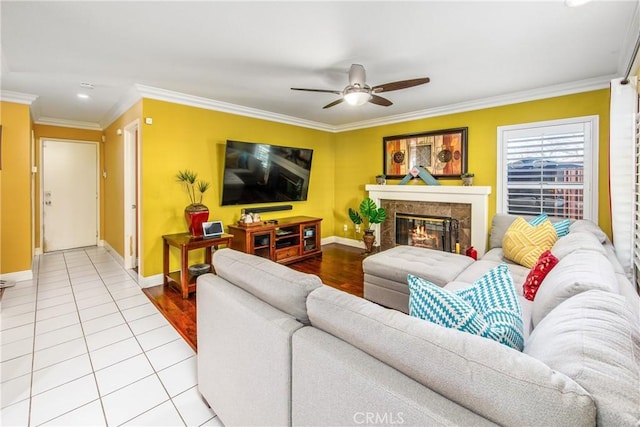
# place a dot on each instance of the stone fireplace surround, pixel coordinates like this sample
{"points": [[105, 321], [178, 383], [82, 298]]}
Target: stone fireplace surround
{"points": [[459, 211], [427, 197]]}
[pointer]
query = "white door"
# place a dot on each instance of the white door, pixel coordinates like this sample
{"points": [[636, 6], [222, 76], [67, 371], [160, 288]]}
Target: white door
{"points": [[69, 195]]}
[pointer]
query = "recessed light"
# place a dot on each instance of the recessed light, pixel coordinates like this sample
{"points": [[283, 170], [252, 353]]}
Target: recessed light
{"points": [[83, 96]]}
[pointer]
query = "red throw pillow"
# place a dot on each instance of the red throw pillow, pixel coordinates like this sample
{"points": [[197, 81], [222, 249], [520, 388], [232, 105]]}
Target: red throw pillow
{"points": [[537, 274]]}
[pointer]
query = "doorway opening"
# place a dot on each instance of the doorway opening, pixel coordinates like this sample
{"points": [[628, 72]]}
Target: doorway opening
{"points": [[131, 197]]}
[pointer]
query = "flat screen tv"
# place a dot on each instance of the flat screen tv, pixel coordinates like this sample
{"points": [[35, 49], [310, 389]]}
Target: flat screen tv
{"points": [[264, 173]]}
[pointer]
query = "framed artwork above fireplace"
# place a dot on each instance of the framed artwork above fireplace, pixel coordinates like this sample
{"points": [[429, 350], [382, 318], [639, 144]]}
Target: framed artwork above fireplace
{"points": [[443, 153]]}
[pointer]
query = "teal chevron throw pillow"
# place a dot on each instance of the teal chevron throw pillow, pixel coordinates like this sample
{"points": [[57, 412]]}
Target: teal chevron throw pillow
{"points": [[561, 227], [435, 304], [490, 308], [494, 296]]}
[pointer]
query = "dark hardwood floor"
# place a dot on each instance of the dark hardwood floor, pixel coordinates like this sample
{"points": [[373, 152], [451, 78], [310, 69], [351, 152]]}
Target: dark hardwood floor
{"points": [[340, 267]]}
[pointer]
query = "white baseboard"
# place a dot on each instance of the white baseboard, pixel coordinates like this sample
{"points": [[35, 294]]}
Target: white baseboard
{"points": [[143, 282], [17, 276], [147, 282], [348, 242], [112, 252]]}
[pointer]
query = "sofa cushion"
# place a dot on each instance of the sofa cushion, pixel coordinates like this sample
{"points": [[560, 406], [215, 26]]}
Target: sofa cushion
{"points": [[578, 272], [577, 240], [523, 242], [278, 285], [561, 227], [594, 339], [545, 263], [337, 384], [438, 267], [590, 227], [492, 259], [500, 223], [475, 372]]}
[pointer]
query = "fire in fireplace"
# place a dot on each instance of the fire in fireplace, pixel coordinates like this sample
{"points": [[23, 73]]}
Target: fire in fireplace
{"points": [[427, 231]]}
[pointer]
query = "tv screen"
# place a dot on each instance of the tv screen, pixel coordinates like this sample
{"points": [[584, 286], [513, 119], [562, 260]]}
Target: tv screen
{"points": [[264, 173]]}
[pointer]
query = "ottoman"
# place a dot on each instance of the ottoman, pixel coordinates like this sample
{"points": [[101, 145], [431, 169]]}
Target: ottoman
{"points": [[385, 273]]}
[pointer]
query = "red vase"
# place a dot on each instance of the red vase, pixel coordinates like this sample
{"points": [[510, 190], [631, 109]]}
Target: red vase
{"points": [[195, 215]]}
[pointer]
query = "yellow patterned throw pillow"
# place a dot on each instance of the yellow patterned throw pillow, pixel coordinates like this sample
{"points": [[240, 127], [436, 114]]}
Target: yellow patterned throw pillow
{"points": [[523, 243]]}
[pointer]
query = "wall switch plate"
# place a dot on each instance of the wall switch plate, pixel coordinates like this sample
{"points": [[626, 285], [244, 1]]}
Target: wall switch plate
{"points": [[345, 228], [357, 228]]}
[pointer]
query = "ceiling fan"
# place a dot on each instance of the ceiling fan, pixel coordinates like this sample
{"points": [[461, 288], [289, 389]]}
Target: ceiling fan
{"points": [[357, 92]]}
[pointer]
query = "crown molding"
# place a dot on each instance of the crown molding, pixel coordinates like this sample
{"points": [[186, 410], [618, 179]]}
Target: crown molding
{"points": [[127, 101], [210, 104], [52, 121], [17, 97], [496, 101], [138, 91]]}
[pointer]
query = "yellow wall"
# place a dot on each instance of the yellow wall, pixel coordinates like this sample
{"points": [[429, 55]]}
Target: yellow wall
{"points": [[183, 137], [359, 152], [65, 133], [113, 149], [15, 188]]}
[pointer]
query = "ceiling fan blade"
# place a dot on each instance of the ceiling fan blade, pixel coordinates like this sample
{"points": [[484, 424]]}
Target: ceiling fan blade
{"points": [[378, 100], [336, 102], [337, 92], [403, 84]]}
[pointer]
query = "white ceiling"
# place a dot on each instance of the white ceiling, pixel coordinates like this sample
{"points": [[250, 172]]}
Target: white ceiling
{"points": [[250, 54]]}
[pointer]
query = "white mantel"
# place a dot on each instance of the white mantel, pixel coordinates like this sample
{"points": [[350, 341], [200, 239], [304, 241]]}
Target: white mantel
{"points": [[476, 196]]}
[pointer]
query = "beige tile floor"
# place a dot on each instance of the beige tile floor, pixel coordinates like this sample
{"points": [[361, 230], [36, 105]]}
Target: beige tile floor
{"points": [[82, 345]]}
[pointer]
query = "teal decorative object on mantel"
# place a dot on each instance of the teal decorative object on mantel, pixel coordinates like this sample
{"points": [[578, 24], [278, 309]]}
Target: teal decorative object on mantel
{"points": [[422, 173]]}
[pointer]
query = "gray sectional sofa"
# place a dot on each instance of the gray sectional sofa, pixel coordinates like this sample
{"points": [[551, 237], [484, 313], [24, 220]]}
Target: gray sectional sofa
{"points": [[277, 347]]}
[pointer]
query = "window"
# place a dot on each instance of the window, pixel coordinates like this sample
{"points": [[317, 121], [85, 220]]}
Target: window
{"points": [[549, 167]]}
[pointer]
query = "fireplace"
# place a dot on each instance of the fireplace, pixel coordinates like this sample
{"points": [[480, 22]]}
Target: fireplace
{"points": [[427, 231], [469, 205], [459, 213]]}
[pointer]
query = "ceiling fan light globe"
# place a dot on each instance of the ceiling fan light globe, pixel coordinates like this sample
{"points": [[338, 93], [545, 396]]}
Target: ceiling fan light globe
{"points": [[357, 98]]}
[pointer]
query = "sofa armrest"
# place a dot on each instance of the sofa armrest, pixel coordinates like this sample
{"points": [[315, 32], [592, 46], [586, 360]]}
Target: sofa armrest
{"points": [[244, 355]]}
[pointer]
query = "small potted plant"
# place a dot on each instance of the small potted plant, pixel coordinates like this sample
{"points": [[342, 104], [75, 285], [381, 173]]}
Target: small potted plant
{"points": [[196, 213], [467, 179], [369, 214], [381, 179]]}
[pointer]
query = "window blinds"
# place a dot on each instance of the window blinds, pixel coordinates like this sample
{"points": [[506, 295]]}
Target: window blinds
{"points": [[545, 170], [636, 203], [622, 172]]}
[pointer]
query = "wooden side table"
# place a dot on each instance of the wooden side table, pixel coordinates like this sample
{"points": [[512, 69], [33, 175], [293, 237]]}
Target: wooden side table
{"points": [[185, 282]]}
